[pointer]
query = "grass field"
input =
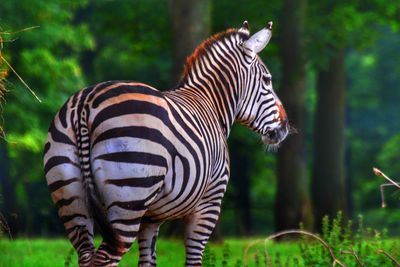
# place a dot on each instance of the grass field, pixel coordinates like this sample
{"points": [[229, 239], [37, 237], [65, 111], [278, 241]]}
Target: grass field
{"points": [[231, 253], [53, 253]]}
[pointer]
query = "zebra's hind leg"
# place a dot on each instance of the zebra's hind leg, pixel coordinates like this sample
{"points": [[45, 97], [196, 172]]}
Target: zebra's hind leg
{"points": [[110, 252], [147, 244], [124, 229], [64, 179], [77, 222], [84, 244]]}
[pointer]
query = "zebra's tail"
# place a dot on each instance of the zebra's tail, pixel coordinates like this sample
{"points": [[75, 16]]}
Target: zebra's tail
{"points": [[96, 207]]}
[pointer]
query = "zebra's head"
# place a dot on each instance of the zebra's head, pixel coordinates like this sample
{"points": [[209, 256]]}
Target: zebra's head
{"points": [[260, 108]]}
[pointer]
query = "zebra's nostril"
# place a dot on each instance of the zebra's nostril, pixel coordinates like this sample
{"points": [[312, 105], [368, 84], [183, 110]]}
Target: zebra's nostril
{"points": [[272, 134]]}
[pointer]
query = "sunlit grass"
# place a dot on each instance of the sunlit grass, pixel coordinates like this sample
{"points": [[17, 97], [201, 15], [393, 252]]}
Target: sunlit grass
{"points": [[170, 253], [53, 252]]}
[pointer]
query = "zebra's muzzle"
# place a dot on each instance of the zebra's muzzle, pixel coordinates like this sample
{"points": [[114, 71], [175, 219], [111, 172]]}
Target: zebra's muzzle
{"points": [[276, 135]]}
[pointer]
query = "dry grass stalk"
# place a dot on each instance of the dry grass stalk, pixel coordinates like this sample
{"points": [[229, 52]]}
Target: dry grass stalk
{"points": [[2, 59], [4, 227], [378, 172], [246, 251], [352, 252], [393, 259], [3, 75], [268, 262], [4, 65], [335, 260]]}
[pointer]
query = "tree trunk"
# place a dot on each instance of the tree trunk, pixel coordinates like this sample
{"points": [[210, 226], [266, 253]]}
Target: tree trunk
{"points": [[87, 57], [328, 184], [190, 21], [292, 203], [241, 183]]}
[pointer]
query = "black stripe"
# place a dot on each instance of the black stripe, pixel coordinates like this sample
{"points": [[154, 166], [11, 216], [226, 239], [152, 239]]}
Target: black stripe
{"points": [[62, 114], [68, 218], [136, 182], [65, 202], [99, 87], [46, 147], [54, 161], [130, 107], [209, 228], [134, 157], [59, 136], [211, 220], [75, 99], [60, 183], [195, 248], [127, 221], [124, 89], [142, 132], [125, 233], [134, 205]]}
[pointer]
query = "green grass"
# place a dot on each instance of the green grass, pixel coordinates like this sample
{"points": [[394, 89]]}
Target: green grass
{"points": [[53, 252]]}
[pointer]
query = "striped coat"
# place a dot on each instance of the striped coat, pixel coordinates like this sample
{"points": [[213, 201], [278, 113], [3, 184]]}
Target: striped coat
{"points": [[128, 157]]}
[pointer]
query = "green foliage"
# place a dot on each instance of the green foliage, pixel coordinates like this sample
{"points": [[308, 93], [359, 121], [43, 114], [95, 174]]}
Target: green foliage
{"points": [[349, 24], [48, 59], [68, 259], [129, 46], [347, 244], [208, 257], [388, 158], [373, 120]]}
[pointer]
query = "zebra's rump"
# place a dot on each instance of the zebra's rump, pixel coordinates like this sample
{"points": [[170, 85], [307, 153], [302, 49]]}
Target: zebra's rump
{"points": [[138, 147]]}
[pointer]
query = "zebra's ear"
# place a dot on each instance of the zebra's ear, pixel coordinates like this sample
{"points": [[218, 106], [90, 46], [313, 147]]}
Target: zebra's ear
{"points": [[245, 28], [259, 40]]}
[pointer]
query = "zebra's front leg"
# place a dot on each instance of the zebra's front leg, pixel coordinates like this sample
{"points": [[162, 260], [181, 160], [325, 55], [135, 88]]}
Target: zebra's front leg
{"points": [[147, 244], [199, 227]]}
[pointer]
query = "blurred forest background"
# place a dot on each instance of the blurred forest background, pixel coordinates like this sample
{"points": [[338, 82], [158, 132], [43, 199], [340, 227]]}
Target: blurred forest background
{"points": [[335, 66]]}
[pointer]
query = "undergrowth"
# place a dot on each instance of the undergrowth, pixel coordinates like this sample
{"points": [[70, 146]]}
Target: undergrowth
{"points": [[340, 244], [352, 245], [341, 238]]}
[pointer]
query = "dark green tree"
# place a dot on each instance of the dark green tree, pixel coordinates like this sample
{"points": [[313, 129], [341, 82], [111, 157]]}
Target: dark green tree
{"points": [[292, 204], [190, 24], [349, 24]]}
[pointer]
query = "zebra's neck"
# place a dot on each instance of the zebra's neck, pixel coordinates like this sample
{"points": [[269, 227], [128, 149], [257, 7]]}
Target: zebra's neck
{"points": [[212, 79]]}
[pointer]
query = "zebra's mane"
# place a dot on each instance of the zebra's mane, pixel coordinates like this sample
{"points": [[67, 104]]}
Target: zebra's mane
{"points": [[205, 46]]}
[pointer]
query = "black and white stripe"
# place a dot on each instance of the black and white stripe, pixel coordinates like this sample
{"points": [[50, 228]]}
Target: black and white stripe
{"points": [[129, 157]]}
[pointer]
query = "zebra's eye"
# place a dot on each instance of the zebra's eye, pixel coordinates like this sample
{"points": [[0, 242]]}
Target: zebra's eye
{"points": [[267, 80]]}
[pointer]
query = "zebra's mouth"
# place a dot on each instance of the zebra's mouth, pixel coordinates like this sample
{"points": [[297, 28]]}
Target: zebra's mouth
{"points": [[275, 136]]}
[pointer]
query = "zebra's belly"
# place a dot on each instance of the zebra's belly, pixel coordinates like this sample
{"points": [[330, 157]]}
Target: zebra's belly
{"points": [[179, 196], [169, 208]]}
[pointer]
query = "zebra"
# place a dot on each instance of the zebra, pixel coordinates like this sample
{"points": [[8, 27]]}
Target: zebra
{"points": [[127, 157]]}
